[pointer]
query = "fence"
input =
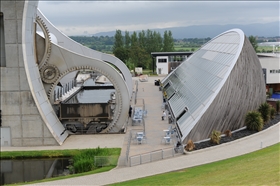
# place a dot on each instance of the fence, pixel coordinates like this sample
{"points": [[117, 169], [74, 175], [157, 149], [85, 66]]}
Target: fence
{"points": [[136, 91], [151, 156], [102, 161], [128, 146]]}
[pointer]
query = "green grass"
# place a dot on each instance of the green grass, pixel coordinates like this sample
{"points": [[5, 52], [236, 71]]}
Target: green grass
{"points": [[267, 49], [181, 48], [48, 153], [258, 168]]}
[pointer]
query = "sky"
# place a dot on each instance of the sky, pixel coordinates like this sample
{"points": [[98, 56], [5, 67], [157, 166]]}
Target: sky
{"points": [[90, 17]]}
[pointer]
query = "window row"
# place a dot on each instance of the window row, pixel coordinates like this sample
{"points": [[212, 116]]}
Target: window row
{"points": [[275, 71], [162, 60]]}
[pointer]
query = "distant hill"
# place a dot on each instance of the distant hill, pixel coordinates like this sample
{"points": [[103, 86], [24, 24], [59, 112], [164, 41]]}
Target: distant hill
{"points": [[204, 31]]}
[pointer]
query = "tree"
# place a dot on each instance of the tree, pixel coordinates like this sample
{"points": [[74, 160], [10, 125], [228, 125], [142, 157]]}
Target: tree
{"points": [[253, 42], [127, 40], [142, 39], [168, 42], [121, 53], [118, 49], [118, 40]]}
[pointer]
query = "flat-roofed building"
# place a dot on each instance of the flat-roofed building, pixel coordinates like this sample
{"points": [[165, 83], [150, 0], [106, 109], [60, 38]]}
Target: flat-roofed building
{"points": [[270, 63], [215, 87], [166, 62]]}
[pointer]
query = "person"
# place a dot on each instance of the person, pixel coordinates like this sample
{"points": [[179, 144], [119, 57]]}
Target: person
{"points": [[177, 148], [163, 115], [130, 111]]}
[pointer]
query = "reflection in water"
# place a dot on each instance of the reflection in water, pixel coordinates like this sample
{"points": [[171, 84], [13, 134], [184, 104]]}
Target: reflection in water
{"points": [[18, 171]]}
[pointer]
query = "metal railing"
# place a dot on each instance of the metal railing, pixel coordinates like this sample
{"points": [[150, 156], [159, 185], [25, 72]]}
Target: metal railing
{"points": [[151, 156], [136, 91], [128, 146]]}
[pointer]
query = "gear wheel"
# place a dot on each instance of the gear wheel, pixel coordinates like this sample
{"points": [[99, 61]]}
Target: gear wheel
{"points": [[47, 52], [49, 73]]}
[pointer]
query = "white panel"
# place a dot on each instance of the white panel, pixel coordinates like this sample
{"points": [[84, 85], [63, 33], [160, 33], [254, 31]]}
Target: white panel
{"points": [[52, 119], [210, 55], [46, 108]]}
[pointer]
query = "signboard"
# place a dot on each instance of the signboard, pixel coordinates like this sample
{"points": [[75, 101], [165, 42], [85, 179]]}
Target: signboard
{"points": [[138, 70]]}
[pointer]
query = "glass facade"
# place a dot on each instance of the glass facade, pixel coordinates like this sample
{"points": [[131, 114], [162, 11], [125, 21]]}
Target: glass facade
{"points": [[194, 83]]}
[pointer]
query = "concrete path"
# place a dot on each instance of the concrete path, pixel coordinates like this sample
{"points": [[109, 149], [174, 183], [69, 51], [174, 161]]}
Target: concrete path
{"points": [[154, 131], [224, 151]]}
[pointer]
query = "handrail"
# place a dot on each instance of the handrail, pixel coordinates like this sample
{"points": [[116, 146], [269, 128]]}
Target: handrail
{"points": [[136, 91], [150, 154], [153, 151]]}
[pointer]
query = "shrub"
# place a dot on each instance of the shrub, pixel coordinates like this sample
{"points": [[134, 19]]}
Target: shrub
{"points": [[268, 94], [190, 146], [85, 161], [272, 112], [215, 137], [264, 109], [277, 106], [228, 133], [254, 121]]}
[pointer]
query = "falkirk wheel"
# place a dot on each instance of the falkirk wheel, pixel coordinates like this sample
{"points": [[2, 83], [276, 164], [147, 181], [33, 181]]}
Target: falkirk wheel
{"points": [[49, 56]]}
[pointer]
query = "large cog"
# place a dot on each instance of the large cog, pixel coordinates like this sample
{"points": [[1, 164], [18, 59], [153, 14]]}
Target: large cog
{"points": [[47, 51], [49, 73]]}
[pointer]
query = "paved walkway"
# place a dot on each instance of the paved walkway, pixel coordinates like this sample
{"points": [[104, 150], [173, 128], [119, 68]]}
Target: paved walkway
{"points": [[154, 131], [224, 151]]}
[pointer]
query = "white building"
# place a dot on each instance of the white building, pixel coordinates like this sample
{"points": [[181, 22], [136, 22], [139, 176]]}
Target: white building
{"points": [[270, 63], [168, 61]]}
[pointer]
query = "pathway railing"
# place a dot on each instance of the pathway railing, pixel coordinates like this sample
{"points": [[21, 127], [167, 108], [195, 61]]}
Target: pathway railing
{"points": [[151, 156], [136, 91], [128, 146]]}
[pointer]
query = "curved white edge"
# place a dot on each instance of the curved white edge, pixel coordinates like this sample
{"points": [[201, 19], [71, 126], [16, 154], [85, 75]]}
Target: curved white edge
{"points": [[33, 76], [213, 96], [66, 42], [68, 61]]}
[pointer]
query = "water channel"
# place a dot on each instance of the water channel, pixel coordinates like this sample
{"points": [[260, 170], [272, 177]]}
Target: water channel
{"points": [[19, 171]]}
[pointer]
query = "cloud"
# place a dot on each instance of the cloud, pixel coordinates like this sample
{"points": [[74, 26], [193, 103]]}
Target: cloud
{"points": [[99, 16]]}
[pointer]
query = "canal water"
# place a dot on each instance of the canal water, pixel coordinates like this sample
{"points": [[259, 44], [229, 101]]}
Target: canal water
{"points": [[19, 171]]}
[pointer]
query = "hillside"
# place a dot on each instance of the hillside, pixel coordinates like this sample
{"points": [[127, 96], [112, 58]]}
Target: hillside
{"points": [[204, 31]]}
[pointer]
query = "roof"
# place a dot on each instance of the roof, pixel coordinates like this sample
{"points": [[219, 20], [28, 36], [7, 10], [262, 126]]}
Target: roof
{"points": [[155, 54], [192, 87]]}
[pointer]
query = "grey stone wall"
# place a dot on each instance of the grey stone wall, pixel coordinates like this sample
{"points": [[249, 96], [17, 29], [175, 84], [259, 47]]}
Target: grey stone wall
{"points": [[19, 111]]}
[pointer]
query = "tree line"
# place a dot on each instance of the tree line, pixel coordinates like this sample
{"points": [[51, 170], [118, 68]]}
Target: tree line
{"points": [[102, 43], [135, 49]]}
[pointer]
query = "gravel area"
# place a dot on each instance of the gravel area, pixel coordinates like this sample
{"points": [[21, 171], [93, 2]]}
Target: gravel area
{"points": [[236, 135]]}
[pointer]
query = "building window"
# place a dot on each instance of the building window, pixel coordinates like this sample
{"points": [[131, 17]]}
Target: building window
{"points": [[2, 42], [273, 71], [164, 60]]}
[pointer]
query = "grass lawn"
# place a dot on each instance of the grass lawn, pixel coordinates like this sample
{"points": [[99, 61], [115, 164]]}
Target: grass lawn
{"points": [[258, 168], [48, 153]]}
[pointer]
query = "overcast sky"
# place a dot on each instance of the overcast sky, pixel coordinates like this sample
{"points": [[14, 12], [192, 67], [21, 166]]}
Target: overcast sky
{"points": [[90, 17]]}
